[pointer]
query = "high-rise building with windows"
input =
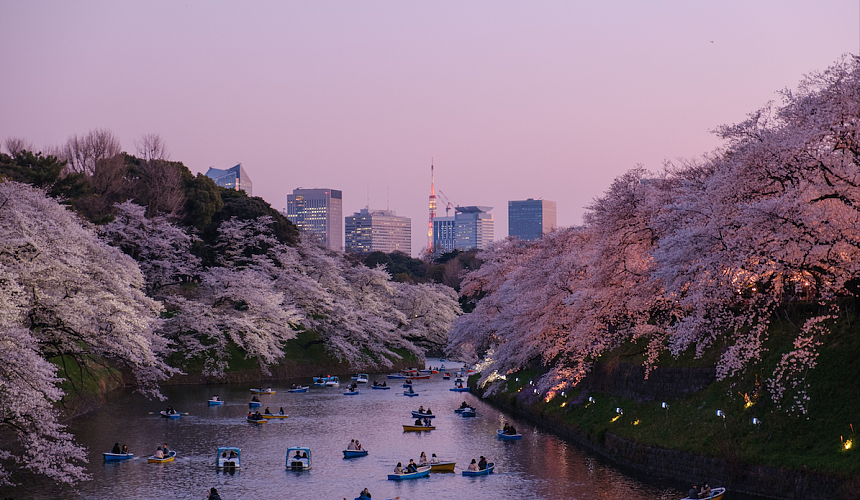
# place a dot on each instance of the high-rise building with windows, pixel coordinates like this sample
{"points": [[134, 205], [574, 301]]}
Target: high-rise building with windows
{"points": [[378, 230], [318, 212], [443, 235], [473, 227], [232, 178], [529, 219]]}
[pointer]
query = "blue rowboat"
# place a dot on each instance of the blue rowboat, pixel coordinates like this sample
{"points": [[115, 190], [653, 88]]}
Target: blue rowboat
{"points": [[381, 388], [407, 386], [397, 375], [299, 389], [164, 414], [410, 394], [352, 393], [416, 414], [508, 437], [354, 453], [421, 472], [113, 457], [468, 412], [254, 404], [459, 389], [483, 472], [215, 402]]}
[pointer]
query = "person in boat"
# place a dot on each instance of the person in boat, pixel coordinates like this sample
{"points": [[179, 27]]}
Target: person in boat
{"points": [[511, 430], [375, 383], [351, 445], [706, 491], [267, 412], [282, 411], [421, 409], [460, 386], [257, 416], [364, 493], [505, 428], [411, 391], [411, 467], [298, 455], [463, 405], [159, 453], [213, 494], [408, 382], [422, 460], [418, 421], [384, 383], [426, 422], [398, 469], [434, 459], [429, 411], [304, 454], [223, 454], [233, 454], [124, 449], [255, 399], [482, 464], [170, 410], [473, 466], [357, 445], [694, 492], [116, 450]]}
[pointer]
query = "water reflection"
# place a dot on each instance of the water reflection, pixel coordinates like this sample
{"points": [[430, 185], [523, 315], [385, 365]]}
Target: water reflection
{"points": [[540, 466]]}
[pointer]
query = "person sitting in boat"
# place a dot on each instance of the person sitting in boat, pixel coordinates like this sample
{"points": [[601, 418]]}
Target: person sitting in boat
{"points": [[257, 416], [482, 464], [511, 430], [384, 383], [463, 405], [706, 491], [421, 409], [418, 421], [422, 460], [375, 383], [411, 391], [282, 411], [124, 449], [115, 449], [159, 453], [357, 445], [505, 428], [364, 493], [213, 494], [304, 454], [408, 382], [398, 469], [460, 385], [426, 422], [411, 467], [473, 466], [429, 411], [351, 445], [170, 410], [255, 399], [233, 454], [434, 459], [267, 412], [694, 492], [223, 454]]}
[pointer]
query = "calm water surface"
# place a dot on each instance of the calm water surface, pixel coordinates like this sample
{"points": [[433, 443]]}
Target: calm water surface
{"points": [[541, 466]]}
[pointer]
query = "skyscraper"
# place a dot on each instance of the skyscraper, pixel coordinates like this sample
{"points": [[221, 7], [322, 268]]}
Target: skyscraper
{"points": [[529, 219], [473, 227], [319, 212], [443, 235], [232, 178], [378, 230]]}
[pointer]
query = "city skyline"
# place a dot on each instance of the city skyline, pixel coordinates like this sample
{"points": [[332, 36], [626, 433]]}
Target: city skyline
{"points": [[511, 100]]}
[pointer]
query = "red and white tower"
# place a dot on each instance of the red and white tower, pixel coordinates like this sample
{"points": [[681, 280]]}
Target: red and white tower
{"points": [[432, 210]]}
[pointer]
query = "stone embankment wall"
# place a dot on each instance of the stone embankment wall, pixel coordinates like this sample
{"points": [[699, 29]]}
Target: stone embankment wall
{"points": [[685, 468]]}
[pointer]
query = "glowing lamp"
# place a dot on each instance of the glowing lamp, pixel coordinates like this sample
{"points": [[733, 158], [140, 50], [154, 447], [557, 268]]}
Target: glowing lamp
{"points": [[619, 411], [721, 414], [590, 399], [756, 421], [664, 405]]}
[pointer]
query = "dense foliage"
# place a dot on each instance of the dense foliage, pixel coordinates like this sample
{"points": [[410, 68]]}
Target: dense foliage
{"points": [[705, 251]]}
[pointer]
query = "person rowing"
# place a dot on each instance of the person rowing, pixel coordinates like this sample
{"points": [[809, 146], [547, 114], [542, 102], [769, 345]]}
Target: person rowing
{"points": [[255, 399], [267, 412], [421, 409]]}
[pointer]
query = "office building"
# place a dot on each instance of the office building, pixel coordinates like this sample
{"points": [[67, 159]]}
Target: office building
{"points": [[378, 231], [443, 235], [529, 219], [318, 212], [473, 227], [232, 178]]}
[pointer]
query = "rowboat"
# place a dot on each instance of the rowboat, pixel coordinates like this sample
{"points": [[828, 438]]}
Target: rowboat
{"points": [[459, 389], [354, 453], [410, 370], [397, 375], [716, 494], [332, 382], [263, 391], [215, 402], [381, 388], [410, 394], [254, 404], [256, 421], [468, 412], [228, 457], [421, 472], [418, 377], [445, 376], [299, 389], [461, 410], [418, 428], [298, 458], [113, 457], [164, 414], [429, 372], [442, 467], [169, 458], [361, 378], [275, 415], [482, 472], [508, 437], [418, 414], [352, 393]]}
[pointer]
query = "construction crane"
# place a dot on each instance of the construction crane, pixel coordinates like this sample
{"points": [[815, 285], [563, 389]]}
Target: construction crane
{"points": [[446, 201]]}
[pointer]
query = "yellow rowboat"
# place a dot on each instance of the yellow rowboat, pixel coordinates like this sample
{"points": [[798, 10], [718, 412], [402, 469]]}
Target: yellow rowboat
{"points": [[169, 458], [267, 415], [255, 421], [418, 428], [442, 467]]}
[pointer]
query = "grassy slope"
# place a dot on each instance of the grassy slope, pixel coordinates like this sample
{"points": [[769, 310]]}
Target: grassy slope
{"points": [[814, 440]]}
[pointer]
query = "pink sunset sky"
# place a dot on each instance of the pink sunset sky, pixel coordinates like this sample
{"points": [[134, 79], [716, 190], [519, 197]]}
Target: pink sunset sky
{"points": [[514, 100]]}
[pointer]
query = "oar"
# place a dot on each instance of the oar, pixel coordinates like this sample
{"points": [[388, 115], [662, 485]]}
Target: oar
{"points": [[159, 413]]}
